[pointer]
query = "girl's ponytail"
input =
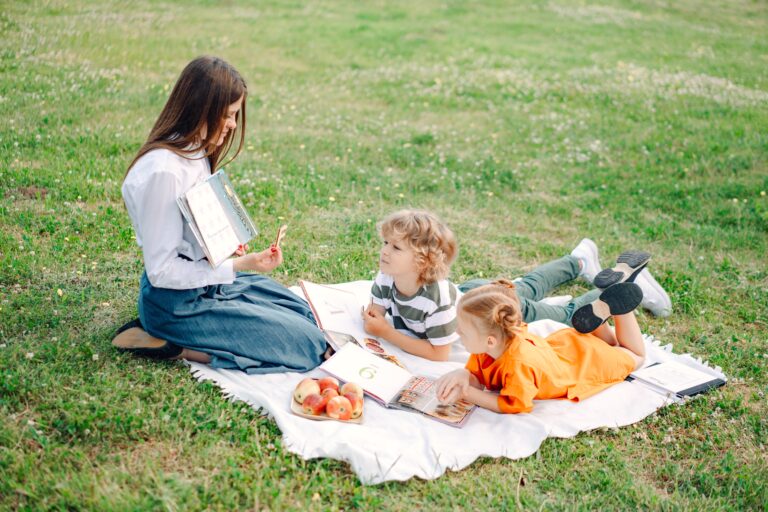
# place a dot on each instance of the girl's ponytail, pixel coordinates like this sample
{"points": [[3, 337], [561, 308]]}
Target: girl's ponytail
{"points": [[508, 318]]}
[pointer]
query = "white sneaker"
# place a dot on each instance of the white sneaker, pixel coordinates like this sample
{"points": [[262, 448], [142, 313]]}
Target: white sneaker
{"points": [[655, 299], [586, 252]]}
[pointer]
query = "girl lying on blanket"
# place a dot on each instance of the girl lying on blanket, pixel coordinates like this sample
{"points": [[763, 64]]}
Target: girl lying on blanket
{"points": [[411, 286], [510, 367]]}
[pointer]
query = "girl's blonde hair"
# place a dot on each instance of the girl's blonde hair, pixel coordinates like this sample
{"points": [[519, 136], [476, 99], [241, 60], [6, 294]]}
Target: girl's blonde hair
{"points": [[495, 309], [433, 242]]}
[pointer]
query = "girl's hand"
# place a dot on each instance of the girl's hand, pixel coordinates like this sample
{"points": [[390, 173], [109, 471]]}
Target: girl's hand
{"points": [[264, 261], [452, 386], [374, 321]]}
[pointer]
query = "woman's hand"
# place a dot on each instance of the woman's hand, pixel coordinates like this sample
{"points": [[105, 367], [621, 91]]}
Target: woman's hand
{"points": [[452, 386], [242, 250], [374, 321], [264, 261]]}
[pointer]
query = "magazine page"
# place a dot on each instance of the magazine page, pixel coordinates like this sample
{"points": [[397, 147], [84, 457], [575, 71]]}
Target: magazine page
{"points": [[212, 222], [677, 378], [419, 394], [379, 378]]}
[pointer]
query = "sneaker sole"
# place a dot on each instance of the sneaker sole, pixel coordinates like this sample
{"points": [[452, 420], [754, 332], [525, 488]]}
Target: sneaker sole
{"points": [[628, 265], [618, 299]]}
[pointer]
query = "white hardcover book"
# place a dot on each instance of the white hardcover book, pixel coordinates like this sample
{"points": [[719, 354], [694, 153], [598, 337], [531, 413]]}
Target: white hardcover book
{"points": [[217, 217], [677, 378]]}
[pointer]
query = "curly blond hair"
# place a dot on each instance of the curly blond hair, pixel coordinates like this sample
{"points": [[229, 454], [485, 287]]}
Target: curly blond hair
{"points": [[433, 242], [495, 309]]}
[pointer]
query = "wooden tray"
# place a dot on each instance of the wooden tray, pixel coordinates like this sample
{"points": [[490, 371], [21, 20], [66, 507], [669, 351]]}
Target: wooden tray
{"points": [[296, 409]]}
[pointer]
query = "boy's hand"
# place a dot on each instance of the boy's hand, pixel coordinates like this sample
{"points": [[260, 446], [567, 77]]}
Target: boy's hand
{"points": [[452, 386], [374, 321]]}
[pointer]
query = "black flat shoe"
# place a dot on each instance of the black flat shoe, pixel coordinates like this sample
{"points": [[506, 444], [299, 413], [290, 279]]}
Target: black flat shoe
{"points": [[628, 265], [132, 338], [618, 299]]}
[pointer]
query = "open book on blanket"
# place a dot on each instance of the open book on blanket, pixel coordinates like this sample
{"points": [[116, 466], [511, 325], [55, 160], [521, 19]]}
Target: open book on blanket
{"points": [[217, 217], [334, 310], [672, 377], [394, 386]]}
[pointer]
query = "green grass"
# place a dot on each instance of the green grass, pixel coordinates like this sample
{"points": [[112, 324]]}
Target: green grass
{"points": [[526, 126]]}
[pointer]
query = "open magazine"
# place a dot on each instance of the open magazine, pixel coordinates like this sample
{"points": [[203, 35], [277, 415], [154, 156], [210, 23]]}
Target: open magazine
{"points": [[217, 217], [394, 386], [672, 377]]}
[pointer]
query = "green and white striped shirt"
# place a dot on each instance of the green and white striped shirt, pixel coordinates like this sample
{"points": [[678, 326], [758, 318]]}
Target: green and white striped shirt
{"points": [[429, 315]]}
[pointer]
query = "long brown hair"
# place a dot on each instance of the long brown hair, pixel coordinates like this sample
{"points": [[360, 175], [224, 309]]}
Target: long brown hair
{"points": [[200, 98]]}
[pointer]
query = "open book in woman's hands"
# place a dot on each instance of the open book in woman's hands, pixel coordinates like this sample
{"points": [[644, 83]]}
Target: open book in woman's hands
{"points": [[217, 217]]}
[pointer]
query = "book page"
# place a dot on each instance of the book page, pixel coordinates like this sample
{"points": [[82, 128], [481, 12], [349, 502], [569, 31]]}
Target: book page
{"points": [[673, 376], [379, 378], [334, 309], [420, 394], [212, 222]]}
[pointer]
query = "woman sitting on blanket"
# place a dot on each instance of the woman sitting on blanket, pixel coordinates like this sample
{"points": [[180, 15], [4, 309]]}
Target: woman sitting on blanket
{"points": [[411, 286], [510, 367], [187, 309]]}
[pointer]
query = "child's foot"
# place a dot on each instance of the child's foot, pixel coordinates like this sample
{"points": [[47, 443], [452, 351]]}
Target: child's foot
{"points": [[618, 299], [655, 299], [628, 265], [586, 252]]}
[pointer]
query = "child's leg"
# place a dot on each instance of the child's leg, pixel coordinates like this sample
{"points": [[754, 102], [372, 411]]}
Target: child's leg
{"points": [[605, 333], [627, 337], [630, 337], [534, 310], [472, 284], [537, 284]]}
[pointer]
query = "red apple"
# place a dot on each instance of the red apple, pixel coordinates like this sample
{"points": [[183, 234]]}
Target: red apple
{"points": [[328, 382], [329, 393], [339, 408], [351, 387], [313, 404], [305, 387], [357, 404]]}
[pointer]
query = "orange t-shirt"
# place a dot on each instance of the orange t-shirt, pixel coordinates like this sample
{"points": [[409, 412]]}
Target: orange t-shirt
{"points": [[565, 364]]}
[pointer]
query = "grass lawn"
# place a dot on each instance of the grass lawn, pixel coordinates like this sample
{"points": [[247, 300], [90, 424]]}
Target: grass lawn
{"points": [[526, 126]]}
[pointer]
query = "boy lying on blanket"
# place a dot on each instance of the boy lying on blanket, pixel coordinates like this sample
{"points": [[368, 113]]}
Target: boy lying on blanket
{"points": [[411, 286]]}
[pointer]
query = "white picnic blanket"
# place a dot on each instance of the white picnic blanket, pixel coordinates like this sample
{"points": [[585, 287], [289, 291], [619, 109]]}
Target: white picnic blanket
{"points": [[397, 445]]}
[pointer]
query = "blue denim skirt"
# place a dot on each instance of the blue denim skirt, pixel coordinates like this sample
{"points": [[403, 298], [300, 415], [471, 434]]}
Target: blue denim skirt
{"points": [[254, 324]]}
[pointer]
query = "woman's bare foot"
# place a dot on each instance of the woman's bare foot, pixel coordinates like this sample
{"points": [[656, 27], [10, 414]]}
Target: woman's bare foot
{"points": [[194, 356]]}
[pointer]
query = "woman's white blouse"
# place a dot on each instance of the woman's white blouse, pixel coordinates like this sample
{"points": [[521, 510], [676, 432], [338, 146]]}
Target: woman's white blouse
{"points": [[150, 191]]}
